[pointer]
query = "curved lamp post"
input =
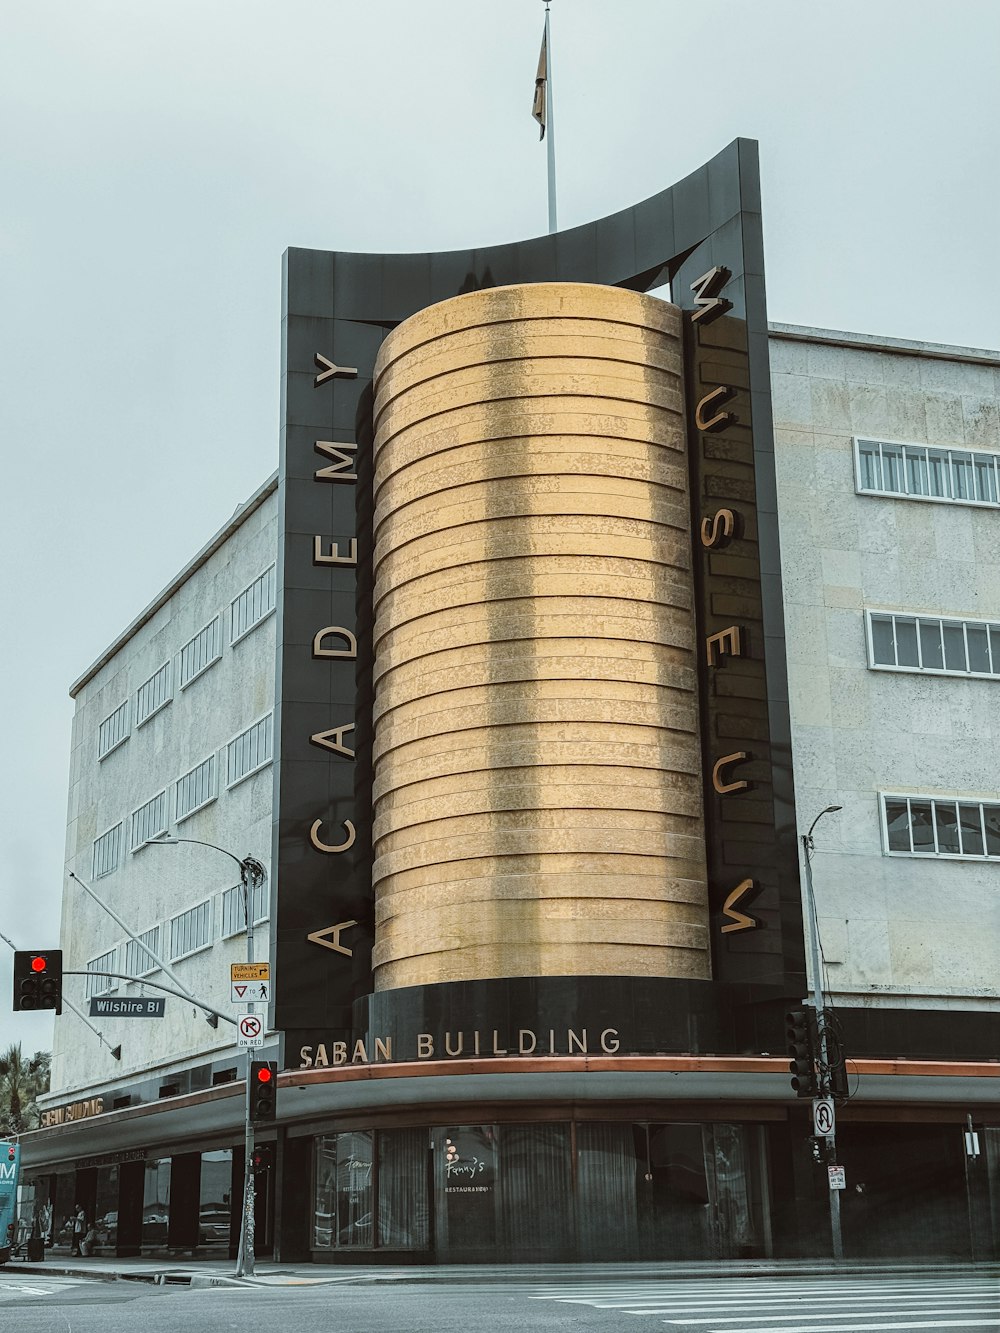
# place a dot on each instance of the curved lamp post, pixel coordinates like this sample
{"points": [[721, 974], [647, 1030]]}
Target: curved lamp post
{"points": [[812, 927], [252, 873]]}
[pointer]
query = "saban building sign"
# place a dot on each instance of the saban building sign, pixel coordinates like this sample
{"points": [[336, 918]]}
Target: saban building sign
{"points": [[703, 236]]}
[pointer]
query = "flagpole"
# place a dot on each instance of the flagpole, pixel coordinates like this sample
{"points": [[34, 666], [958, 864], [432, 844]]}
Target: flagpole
{"points": [[550, 126]]}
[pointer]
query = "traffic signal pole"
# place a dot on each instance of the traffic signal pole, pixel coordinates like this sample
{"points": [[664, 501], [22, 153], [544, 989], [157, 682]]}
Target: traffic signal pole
{"points": [[245, 1254], [825, 1088]]}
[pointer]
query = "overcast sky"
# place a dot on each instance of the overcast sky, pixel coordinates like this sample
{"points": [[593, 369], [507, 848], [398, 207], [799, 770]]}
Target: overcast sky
{"points": [[158, 158]]}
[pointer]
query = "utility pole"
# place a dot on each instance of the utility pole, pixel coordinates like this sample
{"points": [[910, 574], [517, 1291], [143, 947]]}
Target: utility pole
{"points": [[825, 1082]]}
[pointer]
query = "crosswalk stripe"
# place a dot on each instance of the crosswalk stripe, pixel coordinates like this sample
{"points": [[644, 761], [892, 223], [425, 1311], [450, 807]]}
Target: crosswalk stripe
{"points": [[872, 1328], [815, 1314]]}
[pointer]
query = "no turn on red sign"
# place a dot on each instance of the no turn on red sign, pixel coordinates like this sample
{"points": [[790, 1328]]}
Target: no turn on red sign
{"points": [[250, 1031]]}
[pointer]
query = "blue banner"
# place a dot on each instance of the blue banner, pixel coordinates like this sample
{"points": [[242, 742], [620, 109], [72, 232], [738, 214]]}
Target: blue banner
{"points": [[10, 1163]]}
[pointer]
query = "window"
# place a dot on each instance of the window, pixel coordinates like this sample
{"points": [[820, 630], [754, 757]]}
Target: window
{"points": [[250, 750], [933, 643], [149, 821], [191, 930], [958, 476], [199, 653], [98, 985], [107, 852], [196, 788], [233, 916], [137, 961], [252, 605], [153, 695], [941, 826], [113, 731]]}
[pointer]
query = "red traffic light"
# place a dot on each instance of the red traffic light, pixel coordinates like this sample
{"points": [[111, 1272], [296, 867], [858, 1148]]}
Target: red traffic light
{"points": [[39, 964], [264, 1075]]}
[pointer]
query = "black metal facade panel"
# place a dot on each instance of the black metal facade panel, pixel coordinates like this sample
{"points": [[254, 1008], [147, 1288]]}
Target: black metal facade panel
{"points": [[340, 307]]}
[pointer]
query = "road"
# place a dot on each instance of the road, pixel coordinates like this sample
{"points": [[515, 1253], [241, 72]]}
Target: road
{"points": [[845, 1303]]}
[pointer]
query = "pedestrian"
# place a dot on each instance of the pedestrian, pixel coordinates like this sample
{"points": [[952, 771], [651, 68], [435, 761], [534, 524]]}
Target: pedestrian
{"points": [[79, 1227]]}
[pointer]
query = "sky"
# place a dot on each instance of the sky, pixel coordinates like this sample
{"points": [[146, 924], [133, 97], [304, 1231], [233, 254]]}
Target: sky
{"points": [[157, 159]]}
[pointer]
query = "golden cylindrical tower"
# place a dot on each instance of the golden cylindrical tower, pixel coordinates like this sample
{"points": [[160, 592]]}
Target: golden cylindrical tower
{"points": [[537, 800]]}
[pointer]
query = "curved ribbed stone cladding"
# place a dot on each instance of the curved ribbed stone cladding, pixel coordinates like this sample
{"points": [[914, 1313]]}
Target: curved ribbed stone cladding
{"points": [[537, 798]]}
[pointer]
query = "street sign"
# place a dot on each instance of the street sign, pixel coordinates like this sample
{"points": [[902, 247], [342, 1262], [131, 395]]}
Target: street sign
{"points": [[250, 971], [138, 1006], [250, 1031], [824, 1116], [249, 992], [838, 1177]]}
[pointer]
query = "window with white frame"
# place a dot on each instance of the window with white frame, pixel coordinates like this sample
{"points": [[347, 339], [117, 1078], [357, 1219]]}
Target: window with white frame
{"points": [[152, 695], [233, 911], [191, 930], [107, 852], [201, 651], [113, 731], [922, 472], [941, 826], [899, 642], [248, 751], [253, 605], [196, 788], [149, 821], [138, 963], [96, 984]]}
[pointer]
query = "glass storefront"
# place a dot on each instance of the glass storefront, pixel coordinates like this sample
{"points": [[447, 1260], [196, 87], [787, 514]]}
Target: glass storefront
{"points": [[155, 1203], [214, 1211], [600, 1191]]}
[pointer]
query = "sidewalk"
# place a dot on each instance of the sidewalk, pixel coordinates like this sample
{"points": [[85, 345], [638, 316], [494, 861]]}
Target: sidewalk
{"points": [[219, 1272]]}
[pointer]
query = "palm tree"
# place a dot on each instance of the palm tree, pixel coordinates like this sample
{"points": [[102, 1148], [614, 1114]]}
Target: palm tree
{"points": [[21, 1082]]}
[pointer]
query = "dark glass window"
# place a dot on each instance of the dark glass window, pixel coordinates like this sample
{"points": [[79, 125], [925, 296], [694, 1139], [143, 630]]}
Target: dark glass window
{"points": [[882, 643], [979, 653], [946, 818], [906, 642], [930, 644], [898, 822], [970, 818], [921, 826], [954, 646]]}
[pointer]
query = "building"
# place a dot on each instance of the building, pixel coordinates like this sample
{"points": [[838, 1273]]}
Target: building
{"points": [[527, 749]]}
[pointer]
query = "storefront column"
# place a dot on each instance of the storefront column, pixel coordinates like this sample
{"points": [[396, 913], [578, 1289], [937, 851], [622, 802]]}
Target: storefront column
{"points": [[185, 1196]]}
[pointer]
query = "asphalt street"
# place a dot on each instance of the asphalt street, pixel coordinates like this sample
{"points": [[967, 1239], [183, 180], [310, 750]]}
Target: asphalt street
{"points": [[838, 1303]]}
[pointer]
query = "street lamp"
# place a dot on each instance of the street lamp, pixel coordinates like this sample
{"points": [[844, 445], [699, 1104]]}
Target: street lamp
{"points": [[812, 928], [252, 873]]}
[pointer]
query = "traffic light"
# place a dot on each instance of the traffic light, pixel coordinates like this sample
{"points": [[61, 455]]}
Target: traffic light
{"points": [[263, 1091], [263, 1157], [802, 1065], [38, 979], [822, 1150]]}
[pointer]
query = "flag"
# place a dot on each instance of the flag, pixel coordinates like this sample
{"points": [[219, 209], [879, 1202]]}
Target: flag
{"points": [[541, 79]]}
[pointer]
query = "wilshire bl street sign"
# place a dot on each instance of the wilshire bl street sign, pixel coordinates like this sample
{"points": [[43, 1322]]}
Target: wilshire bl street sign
{"points": [[107, 1006]]}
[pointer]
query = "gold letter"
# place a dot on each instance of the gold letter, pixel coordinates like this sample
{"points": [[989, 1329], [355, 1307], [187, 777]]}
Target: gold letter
{"points": [[733, 637], [609, 1040], [321, 1055], [337, 746], [707, 304], [572, 1038], [341, 454], [383, 1048], [447, 1044], [522, 1047], [740, 920], [425, 1045], [720, 785], [721, 419], [352, 644], [305, 1057], [710, 533], [340, 1052], [333, 556], [360, 1056], [322, 846]]}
